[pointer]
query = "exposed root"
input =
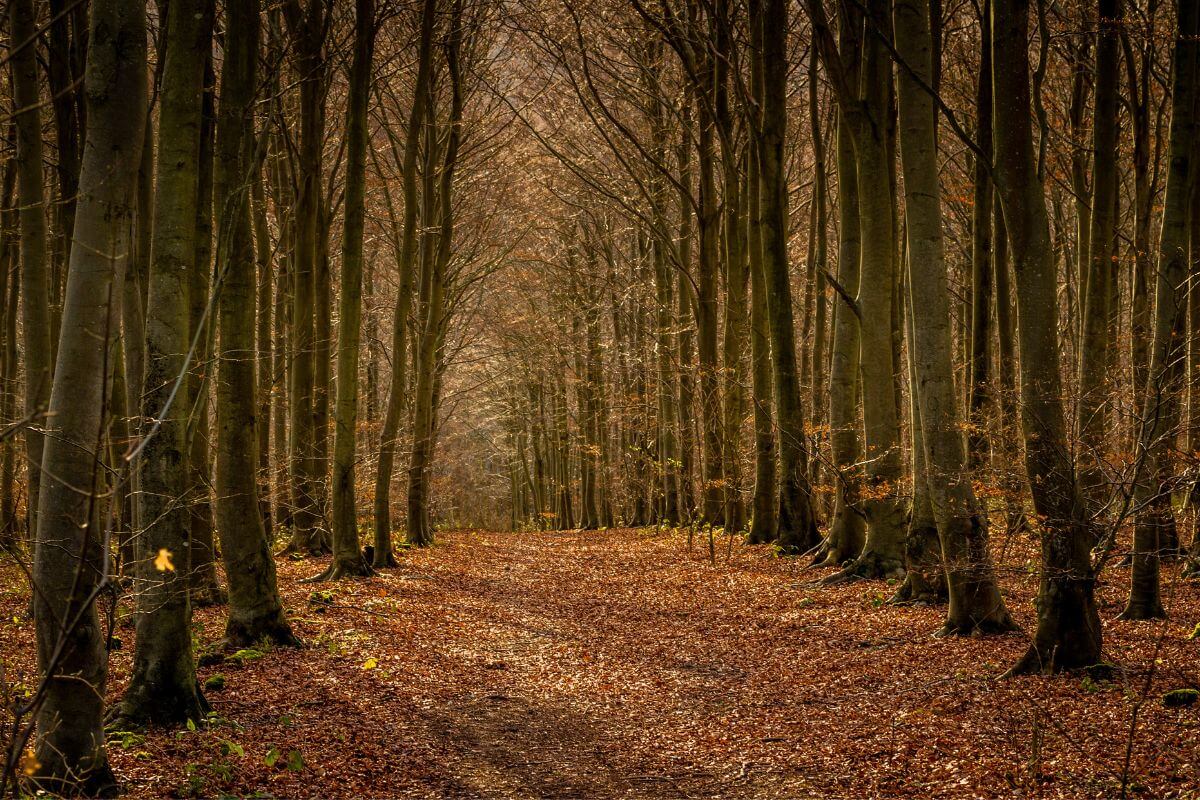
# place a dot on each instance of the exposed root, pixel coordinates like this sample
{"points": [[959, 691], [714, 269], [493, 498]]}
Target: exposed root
{"points": [[139, 709], [208, 595], [868, 566], [343, 568], [1031, 663], [273, 628], [991, 626], [1141, 612], [916, 591], [388, 559]]}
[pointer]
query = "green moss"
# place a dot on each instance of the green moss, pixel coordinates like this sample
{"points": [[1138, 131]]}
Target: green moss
{"points": [[1180, 698]]}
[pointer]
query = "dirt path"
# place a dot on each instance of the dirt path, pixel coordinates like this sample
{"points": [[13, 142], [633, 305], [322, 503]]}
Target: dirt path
{"points": [[619, 664]]}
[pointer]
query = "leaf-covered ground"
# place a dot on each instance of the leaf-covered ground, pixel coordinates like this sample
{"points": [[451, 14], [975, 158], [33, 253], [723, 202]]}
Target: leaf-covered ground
{"points": [[623, 664]]}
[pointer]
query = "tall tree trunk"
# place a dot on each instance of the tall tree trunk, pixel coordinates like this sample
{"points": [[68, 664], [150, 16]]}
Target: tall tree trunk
{"points": [[1165, 379], [347, 554], [383, 556], [975, 602], [706, 313], [847, 532], [1098, 312], [1068, 630], [10, 281], [35, 305], [307, 25], [420, 528], [737, 322], [70, 562], [763, 504], [255, 610], [205, 589], [819, 265], [980, 365], [163, 689], [797, 524], [883, 552], [68, 46], [1077, 114]]}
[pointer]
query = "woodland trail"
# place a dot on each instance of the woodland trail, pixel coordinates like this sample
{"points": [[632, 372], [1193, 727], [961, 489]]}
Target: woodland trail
{"points": [[619, 664]]}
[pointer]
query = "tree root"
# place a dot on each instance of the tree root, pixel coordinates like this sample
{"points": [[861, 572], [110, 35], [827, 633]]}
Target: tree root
{"points": [[991, 626], [916, 591], [389, 559], [868, 566], [208, 595], [1141, 612], [343, 568], [139, 709], [274, 629]]}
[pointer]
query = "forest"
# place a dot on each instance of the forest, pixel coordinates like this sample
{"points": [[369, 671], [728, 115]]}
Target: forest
{"points": [[623, 398]]}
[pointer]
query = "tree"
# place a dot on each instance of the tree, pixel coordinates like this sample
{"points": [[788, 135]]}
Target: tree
{"points": [[70, 565], [1098, 323], [164, 689], [866, 112], [797, 525], [308, 26], [975, 602], [35, 308], [347, 555], [1068, 630], [439, 203], [255, 611], [1161, 404], [383, 556]]}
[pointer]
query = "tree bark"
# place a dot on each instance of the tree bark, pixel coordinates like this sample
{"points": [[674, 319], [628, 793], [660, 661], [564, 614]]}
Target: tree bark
{"points": [[975, 602], [70, 563], [35, 305], [1068, 631], [163, 689], [307, 25], [797, 524], [255, 610], [383, 556], [1161, 405], [347, 553], [847, 529]]}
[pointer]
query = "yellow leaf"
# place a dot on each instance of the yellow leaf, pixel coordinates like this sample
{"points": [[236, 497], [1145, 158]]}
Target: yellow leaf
{"points": [[29, 763], [162, 562], [370, 663]]}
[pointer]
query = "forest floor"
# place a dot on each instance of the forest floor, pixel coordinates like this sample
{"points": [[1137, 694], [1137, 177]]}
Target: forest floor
{"points": [[624, 664]]}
